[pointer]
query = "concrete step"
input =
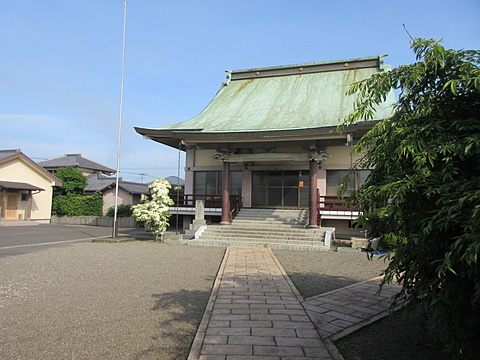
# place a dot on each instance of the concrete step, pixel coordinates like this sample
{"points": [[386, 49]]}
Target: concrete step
{"points": [[264, 237], [265, 240], [266, 223], [279, 212], [274, 211], [273, 228], [270, 220], [251, 237], [298, 215], [268, 228], [263, 232], [271, 245]]}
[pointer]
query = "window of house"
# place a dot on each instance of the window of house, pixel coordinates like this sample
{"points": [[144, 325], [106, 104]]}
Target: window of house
{"points": [[335, 178], [24, 197]]}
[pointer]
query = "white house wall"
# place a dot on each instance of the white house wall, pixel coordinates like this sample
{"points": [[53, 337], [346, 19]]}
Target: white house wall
{"points": [[341, 157], [19, 171], [205, 158]]}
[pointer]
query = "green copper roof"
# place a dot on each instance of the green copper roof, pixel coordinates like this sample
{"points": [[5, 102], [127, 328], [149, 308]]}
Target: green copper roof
{"points": [[282, 98]]}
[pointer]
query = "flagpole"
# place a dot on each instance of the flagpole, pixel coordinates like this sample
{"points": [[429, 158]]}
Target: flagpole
{"points": [[115, 224]]}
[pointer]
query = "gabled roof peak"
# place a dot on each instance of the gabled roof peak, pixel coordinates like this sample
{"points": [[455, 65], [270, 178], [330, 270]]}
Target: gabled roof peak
{"points": [[8, 155], [9, 152]]}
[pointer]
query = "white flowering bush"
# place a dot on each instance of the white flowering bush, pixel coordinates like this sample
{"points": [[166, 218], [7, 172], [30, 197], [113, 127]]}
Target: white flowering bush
{"points": [[154, 209]]}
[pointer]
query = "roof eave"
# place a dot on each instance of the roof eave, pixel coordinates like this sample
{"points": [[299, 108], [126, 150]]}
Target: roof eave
{"points": [[178, 137], [14, 185]]}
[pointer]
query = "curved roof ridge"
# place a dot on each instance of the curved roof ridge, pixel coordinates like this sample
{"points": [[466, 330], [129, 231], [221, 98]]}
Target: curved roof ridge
{"points": [[342, 61], [308, 68]]}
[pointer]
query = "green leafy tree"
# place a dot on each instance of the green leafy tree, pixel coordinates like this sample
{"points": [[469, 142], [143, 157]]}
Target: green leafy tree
{"points": [[74, 182], [426, 184], [71, 201], [154, 210]]}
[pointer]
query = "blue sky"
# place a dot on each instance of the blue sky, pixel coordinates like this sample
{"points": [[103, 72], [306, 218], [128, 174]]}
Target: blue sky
{"points": [[60, 62]]}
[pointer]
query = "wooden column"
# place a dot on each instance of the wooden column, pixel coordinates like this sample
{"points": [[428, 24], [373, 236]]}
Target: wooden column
{"points": [[226, 219], [28, 211], [4, 205], [313, 216]]}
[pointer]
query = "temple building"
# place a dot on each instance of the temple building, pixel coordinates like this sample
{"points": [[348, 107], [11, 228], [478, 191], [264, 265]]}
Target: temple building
{"points": [[270, 136]]}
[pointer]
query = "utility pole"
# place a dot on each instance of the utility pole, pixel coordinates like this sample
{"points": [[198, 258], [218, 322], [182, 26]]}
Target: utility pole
{"points": [[115, 224]]}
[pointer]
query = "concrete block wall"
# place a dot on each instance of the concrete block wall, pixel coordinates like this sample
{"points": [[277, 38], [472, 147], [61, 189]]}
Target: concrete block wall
{"points": [[105, 221]]}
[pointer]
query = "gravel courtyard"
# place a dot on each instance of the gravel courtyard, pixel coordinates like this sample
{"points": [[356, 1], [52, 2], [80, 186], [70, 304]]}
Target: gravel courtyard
{"points": [[138, 300], [316, 272]]}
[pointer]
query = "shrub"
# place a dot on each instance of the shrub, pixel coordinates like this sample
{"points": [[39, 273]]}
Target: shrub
{"points": [[123, 210], [154, 209], [73, 205], [390, 242]]}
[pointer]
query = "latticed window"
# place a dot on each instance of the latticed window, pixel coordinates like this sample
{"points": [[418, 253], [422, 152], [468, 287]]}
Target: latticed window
{"points": [[335, 178], [280, 188], [210, 182]]}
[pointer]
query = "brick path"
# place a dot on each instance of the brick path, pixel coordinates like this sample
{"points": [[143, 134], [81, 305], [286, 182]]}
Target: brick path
{"points": [[343, 311], [255, 312]]}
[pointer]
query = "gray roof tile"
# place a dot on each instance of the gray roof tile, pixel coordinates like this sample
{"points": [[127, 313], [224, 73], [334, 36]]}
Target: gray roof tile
{"points": [[7, 153], [98, 182], [175, 180], [75, 160]]}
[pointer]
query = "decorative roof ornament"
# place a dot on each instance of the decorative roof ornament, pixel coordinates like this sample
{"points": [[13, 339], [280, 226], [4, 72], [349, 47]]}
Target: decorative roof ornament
{"points": [[273, 156], [220, 157], [319, 156]]}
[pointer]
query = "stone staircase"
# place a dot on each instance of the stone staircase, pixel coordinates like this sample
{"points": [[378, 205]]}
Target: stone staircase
{"points": [[271, 228]]}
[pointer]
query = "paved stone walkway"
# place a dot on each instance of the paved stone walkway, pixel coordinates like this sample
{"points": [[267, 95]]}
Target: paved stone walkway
{"points": [[255, 312], [340, 312]]}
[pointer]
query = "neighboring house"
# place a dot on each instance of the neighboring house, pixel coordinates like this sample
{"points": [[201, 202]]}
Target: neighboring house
{"points": [[129, 193], [270, 134], [25, 188], [86, 166], [175, 182], [100, 181]]}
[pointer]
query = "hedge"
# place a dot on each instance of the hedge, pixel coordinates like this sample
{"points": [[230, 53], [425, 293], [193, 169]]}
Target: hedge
{"points": [[74, 205]]}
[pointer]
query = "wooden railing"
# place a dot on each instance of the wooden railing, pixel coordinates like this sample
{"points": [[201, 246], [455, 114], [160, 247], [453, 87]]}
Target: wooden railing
{"points": [[332, 203]]}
